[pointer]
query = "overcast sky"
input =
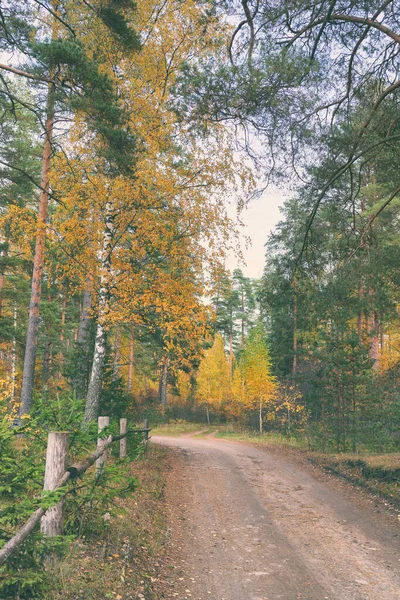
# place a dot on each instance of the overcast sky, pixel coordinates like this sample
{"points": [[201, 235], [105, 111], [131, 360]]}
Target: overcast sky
{"points": [[259, 219]]}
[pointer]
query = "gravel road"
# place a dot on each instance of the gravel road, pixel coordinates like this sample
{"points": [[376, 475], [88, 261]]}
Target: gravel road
{"points": [[251, 524]]}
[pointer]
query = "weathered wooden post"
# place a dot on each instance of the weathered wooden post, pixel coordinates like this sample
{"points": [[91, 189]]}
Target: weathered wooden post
{"points": [[122, 442], [101, 461], [146, 433], [51, 523]]}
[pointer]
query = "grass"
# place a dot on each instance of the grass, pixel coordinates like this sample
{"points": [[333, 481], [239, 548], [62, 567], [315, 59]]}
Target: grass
{"points": [[267, 439], [177, 428], [227, 432]]}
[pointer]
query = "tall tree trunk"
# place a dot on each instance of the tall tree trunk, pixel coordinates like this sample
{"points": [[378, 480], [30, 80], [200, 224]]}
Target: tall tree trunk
{"points": [[14, 356], [207, 414], [360, 315], [46, 365], [242, 318], [295, 334], [81, 342], [374, 337], [117, 340], [163, 382], [230, 354], [96, 375], [3, 254], [373, 331], [62, 337], [38, 261], [339, 412], [261, 417], [131, 358], [84, 323]]}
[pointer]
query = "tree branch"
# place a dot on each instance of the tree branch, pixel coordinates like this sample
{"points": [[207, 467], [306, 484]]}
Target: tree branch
{"points": [[25, 74]]}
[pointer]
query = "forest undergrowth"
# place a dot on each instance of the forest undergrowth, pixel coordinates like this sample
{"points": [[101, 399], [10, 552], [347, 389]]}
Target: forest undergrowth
{"points": [[121, 559]]}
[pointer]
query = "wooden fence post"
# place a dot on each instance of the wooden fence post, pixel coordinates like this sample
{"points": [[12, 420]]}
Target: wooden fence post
{"points": [[56, 463], [146, 433], [101, 461], [122, 442]]}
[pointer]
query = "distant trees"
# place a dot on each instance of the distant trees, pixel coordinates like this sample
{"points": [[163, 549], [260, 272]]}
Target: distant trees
{"points": [[213, 378], [254, 382]]}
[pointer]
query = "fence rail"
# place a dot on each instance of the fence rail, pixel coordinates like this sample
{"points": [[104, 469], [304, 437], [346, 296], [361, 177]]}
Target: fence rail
{"points": [[72, 472]]}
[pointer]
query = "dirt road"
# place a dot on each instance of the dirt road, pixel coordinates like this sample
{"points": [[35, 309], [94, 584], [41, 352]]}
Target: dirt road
{"points": [[250, 524]]}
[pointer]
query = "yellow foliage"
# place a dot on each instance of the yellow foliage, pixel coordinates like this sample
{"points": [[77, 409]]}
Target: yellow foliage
{"points": [[213, 382], [183, 385]]}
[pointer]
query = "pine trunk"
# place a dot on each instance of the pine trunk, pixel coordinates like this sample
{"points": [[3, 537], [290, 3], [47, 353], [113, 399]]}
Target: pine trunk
{"points": [[84, 323], [38, 261], [242, 318], [3, 255], [163, 382], [374, 337], [230, 355], [131, 358], [14, 357], [46, 365], [360, 315], [96, 375], [62, 337], [117, 340], [294, 365]]}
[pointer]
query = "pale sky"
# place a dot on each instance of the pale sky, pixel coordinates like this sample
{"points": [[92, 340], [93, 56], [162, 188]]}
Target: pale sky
{"points": [[259, 218]]}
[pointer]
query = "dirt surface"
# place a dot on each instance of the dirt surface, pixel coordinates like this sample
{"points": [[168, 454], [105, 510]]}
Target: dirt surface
{"points": [[251, 524]]}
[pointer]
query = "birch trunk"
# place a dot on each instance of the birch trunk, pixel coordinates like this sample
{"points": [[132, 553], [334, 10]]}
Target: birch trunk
{"points": [[38, 261], [96, 375]]}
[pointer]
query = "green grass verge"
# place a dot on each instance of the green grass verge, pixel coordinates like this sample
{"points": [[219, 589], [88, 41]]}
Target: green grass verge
{"points": [[267, 439], [176, 429]]}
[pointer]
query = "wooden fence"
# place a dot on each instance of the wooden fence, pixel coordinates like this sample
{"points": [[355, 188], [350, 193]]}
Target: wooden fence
{"points": [[57, 474]]}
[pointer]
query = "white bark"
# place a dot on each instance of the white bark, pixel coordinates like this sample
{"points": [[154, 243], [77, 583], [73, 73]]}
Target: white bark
{"points": [[96, 376]]}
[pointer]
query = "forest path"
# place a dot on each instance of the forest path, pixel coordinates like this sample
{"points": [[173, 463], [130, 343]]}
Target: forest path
{"points": [[251, 524]]}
